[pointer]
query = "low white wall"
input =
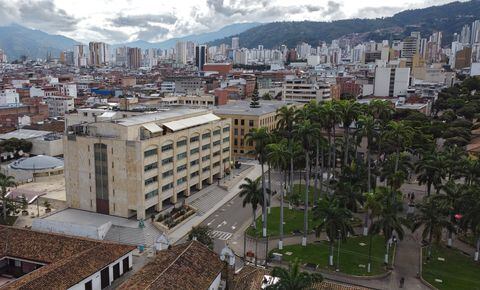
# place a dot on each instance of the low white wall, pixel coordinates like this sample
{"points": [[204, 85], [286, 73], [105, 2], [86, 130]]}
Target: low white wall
{"points": [[60, 227]]}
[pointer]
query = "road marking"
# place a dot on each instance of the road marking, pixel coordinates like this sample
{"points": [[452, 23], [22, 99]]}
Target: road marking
{"points": [[234, 226], [221, 224], [210, 222], [221, 235]]}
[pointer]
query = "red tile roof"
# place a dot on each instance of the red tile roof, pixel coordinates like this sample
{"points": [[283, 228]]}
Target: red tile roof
{"points": [[189, 266], [68, 259]]}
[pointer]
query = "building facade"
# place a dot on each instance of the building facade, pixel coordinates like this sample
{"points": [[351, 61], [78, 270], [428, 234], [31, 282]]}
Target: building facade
{"points": [[130, 166]]}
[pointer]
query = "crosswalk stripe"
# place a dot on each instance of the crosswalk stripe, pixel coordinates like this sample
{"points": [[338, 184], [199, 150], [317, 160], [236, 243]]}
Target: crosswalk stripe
{"points": [[221, 235]]}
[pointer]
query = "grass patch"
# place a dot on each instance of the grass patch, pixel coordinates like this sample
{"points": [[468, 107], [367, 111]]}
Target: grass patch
{"points": [[353, 256], [458, 271], [292, 218], [10, 220]]}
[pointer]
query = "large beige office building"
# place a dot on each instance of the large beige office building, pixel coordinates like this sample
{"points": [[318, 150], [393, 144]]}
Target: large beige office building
{"points": [[131, 166]]}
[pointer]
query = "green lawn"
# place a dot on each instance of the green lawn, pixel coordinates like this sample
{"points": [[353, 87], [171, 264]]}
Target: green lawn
{"points": [[297, 188], [353, 255], [457, 272], [293, 220]]}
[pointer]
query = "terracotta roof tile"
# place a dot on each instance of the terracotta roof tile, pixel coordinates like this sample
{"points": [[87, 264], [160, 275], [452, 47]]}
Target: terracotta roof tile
{"points": [[187, 266], [69, 259]]}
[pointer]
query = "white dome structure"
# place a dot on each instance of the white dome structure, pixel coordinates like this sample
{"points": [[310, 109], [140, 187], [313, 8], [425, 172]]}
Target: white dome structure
{"points": [[40, 162], [31, 168]]}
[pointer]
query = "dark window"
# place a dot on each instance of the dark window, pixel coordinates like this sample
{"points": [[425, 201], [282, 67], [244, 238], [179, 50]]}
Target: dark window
{"points": [[167, 160], [206, 135], [250, 123], [126, 266], [167, 147], [150, 152], [206, 146], [116, 271], [226, 129], [182, 143], [167, 173], [101, 177], [182, 156], [194, 162], [181, 168], [105, 278], [194, 150], [216, 132], [216, 143], [150, 167], [194, 139], [88, 285], [236, 122]]}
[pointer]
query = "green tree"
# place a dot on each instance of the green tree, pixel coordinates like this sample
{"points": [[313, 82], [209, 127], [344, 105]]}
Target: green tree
{"points": [[400, 136], [349, 111], [449, 200], [431, 171], [286, 117], [278, 156], [5, 183], [260, 137], [388, 221], [293, 278], [252, 194], [201, 234], [334, 219], [255, 103], [433, 219], [306, 133]]}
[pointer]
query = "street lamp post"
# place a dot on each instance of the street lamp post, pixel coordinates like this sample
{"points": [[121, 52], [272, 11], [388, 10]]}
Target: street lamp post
{"points": [[338, 252]]}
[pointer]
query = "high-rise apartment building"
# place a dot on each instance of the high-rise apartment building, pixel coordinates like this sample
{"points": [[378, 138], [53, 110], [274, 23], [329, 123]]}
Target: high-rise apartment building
{"points": [[80, 55], [235, 43], [391, 81], [475, 32], [134, 57], [121, 56], [99, 54], [200, 56], [181, 52], [3, 56], [129, 166], [304, 91]]}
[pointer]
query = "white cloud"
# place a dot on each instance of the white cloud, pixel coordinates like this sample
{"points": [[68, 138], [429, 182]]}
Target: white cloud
{"points": [[154, 20]]}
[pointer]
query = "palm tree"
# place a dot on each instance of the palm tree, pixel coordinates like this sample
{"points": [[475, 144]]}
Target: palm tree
{"points": [[399, 134], [373, 208], [433, 219], [349, 111], [253, 195], [334, 219], [261, 137], [367, 127], [388, 221], [317, 116], [431, 171], [395, 178], [449, 200], [470, 170], [471, 219], [293, 278], [381, 110], [5, 183], [307, 133], [452, 155], [201, 234], [331, 119], [278, 156], [285, 121]]}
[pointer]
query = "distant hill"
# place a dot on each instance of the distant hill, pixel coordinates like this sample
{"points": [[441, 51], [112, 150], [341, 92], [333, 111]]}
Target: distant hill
{"points": [[448, 18], [202, 38], [17, 40]]}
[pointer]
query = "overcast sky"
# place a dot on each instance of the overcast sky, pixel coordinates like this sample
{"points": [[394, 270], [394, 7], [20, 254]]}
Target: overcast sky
{"points": [[117, 21]]}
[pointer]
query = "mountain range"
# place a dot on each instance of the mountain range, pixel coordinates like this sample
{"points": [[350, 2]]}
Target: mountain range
{"points": [[17, 40], [448, 18]]}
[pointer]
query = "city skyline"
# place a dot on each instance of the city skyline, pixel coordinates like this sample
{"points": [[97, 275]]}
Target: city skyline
{"points": [[118, 21]]}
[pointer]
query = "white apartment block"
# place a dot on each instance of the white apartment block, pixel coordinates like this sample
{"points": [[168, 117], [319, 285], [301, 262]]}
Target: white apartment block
{"points": [[391, 81], [131, 166], [59, 105], [303, 91], [9, 96]]}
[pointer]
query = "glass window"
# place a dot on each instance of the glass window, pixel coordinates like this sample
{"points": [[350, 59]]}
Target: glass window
{"points": [[167, 173], [205, 169], [150, 166], [216, 132], [194, 174], [226, 139], [181, 168], [235, 131], [151, 194], [236, 122], [206, 135], [182, 156], [150, 152], [167, 147], [167, 160], [226, 149], [182, 180], [216, 153], [205, 158], [194, 162], [194, 150], [194, 139], [226, 129], [250, 123], [216, 143], [151, 180], [242, 122], [167, 186], [206, 146], [182, 143]]}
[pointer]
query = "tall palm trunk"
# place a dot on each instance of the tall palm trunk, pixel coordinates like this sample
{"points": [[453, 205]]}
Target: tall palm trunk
{"points": [[4, 202], [386, 253], [330, 257], [322, 157], [347, 140], [369, 266], [254, 223], [315, 182], [269, 187], [477, 250], [334, 154], [264, 213], [329, 162], [282, 191], [305, 212], [365, 226]]}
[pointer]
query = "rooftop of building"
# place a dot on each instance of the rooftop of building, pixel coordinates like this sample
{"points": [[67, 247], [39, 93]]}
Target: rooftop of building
{"points": [[243, 108], [187, 266], [158, 116], [39, 162], [68, 260]]}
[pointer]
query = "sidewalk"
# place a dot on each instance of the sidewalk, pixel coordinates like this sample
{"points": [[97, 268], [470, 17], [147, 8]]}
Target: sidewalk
{"points": [[182, 231]]}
